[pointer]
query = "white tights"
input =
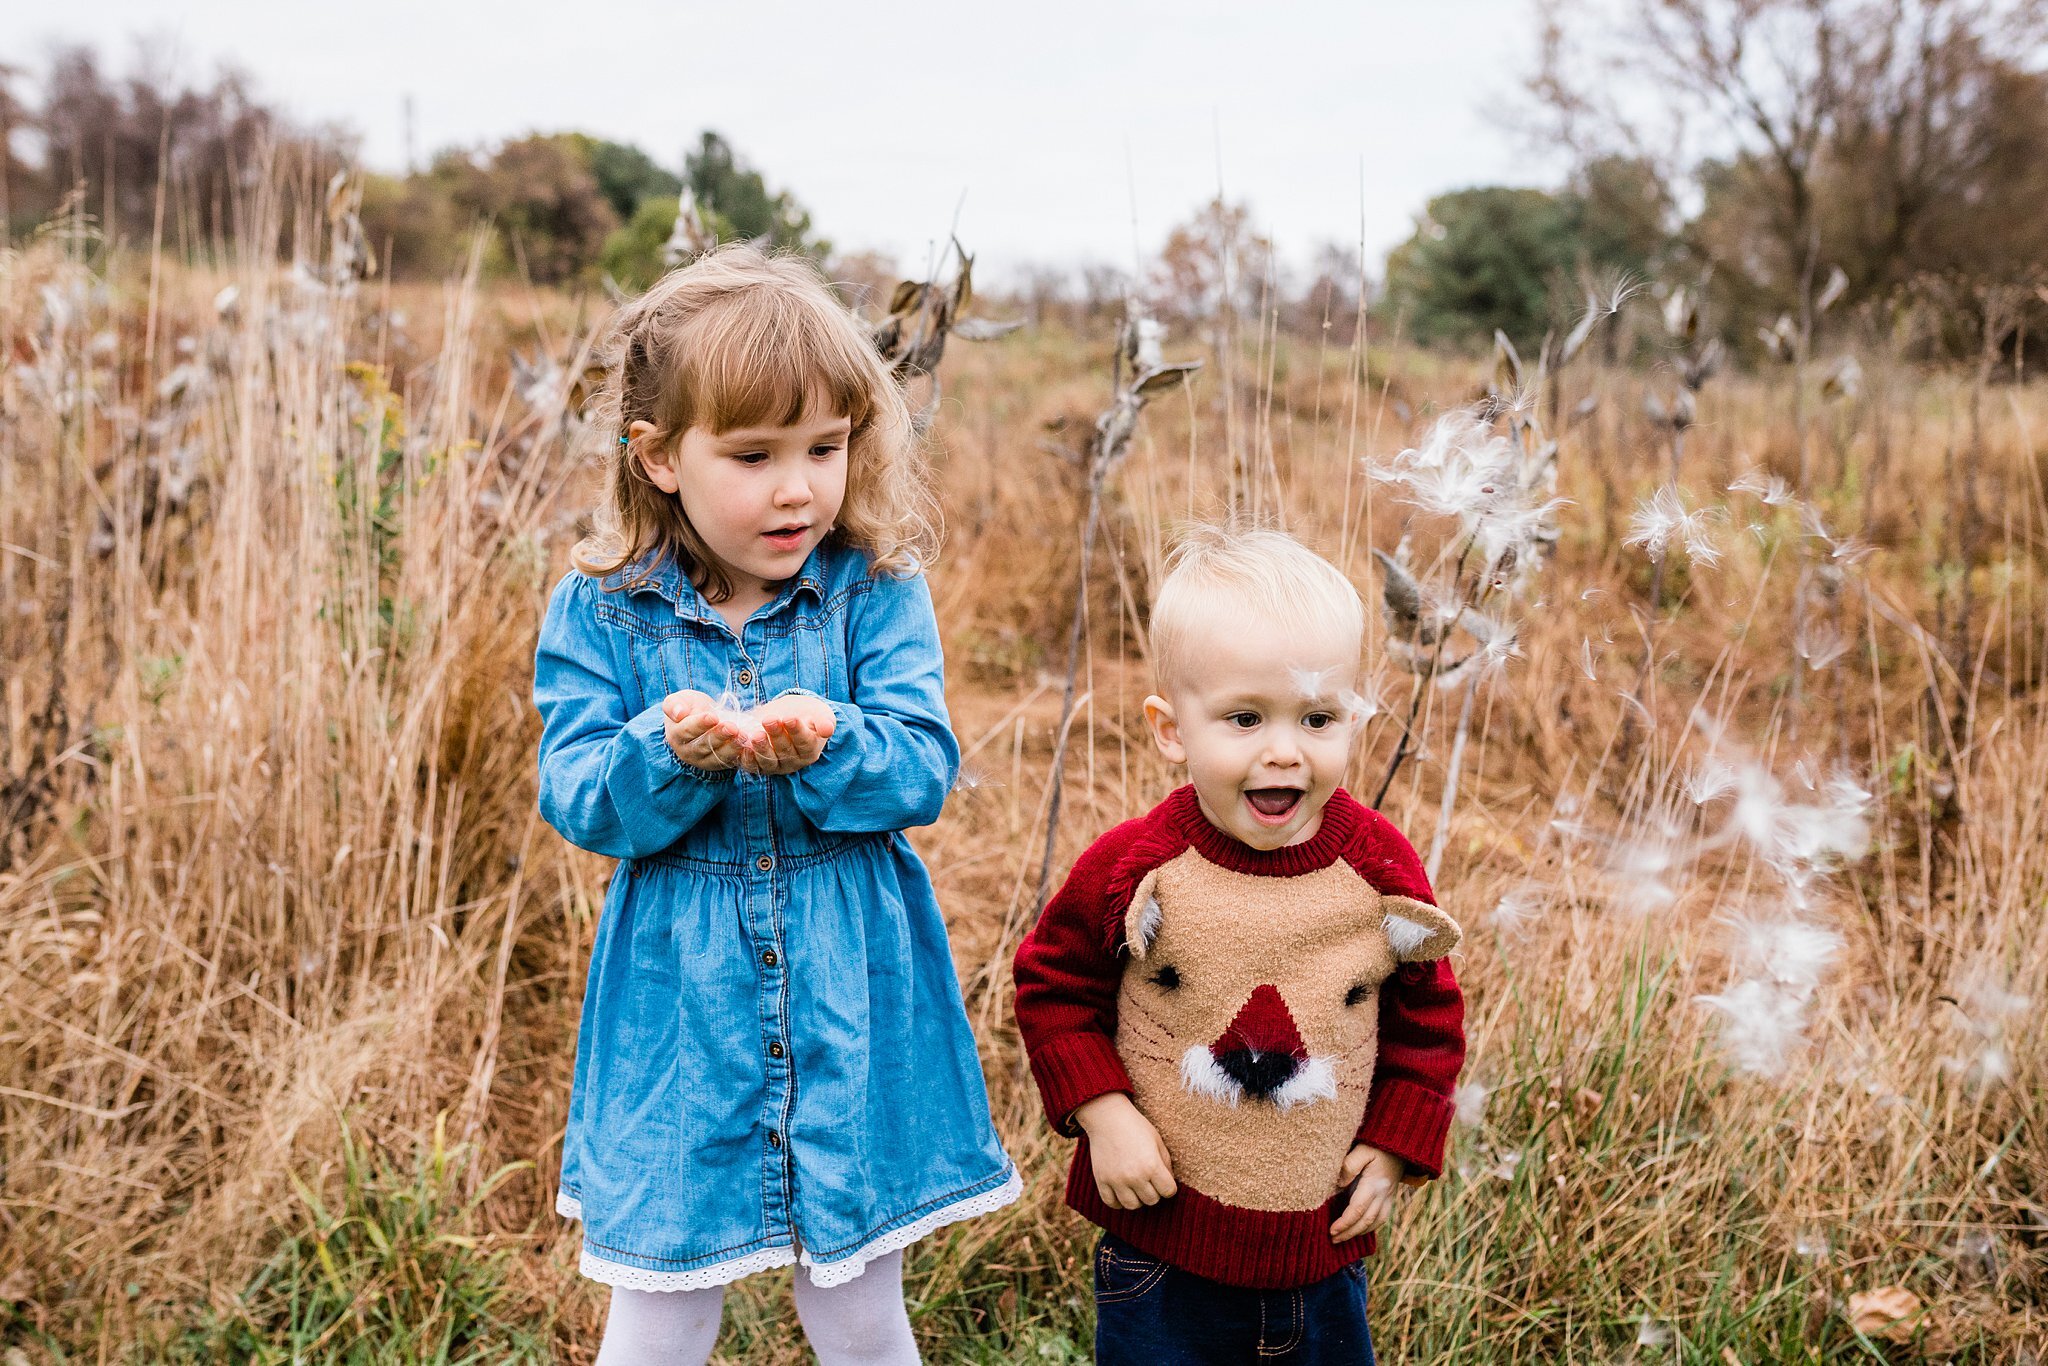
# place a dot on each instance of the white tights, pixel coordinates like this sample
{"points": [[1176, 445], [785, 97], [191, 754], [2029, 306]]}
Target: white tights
{"points": [[859, 1323]]}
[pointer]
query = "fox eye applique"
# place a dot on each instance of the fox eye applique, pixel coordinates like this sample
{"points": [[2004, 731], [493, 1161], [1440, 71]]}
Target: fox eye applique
{"points": [[1357, 995], [1167, 978]]}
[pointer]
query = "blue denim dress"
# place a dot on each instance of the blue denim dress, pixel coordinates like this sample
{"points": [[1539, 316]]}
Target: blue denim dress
{"points": [[774, 1064]]}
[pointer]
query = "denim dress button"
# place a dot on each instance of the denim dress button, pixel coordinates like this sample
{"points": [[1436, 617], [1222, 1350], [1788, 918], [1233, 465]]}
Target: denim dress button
{"points": [[746, 677], [764, 863]]}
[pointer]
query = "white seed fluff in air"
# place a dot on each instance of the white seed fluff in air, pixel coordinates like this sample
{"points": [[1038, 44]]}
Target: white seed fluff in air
{"points": [[1662, 520], [1769, 487], [1470, 1102]]}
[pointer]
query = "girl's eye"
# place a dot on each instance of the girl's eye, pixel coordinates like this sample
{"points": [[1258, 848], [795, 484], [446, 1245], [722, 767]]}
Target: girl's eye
{"points": [[751, 457], [824, 450], [1167, 978], [1243, 720], [1318, 720]]}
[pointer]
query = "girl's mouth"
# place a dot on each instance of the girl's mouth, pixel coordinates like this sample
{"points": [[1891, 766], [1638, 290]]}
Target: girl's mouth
{"points": [[786, 539], [1273, 805]]}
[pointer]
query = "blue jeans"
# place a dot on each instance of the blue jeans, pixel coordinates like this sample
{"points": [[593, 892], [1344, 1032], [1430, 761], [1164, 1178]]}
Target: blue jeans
{"points": [[1150, 1314]]}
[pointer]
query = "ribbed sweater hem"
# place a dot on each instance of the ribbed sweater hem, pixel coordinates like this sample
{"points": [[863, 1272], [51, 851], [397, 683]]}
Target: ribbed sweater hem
{"points": [[1256, 1249]]}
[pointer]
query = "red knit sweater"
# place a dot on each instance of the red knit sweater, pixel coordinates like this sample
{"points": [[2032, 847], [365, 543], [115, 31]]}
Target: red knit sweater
{"points": [[1069, 970]]}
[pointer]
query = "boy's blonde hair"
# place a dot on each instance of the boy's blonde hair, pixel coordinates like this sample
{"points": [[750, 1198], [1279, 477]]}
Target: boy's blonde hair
{"points": [[741, 338], [1261, 571]]}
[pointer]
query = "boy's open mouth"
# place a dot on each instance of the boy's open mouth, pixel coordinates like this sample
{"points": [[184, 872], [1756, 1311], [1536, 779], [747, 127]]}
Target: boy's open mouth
{"points": [[1273, 805]]}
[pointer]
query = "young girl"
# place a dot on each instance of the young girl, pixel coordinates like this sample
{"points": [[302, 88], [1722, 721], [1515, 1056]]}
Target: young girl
{"points": [[741, 689]]}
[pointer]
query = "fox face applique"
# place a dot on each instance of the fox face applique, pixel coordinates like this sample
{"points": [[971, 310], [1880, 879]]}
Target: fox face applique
{"points": [[1248, 1020]]}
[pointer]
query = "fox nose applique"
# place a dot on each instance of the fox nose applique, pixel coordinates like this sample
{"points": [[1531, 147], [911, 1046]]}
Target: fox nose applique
{"points": [[1261, 1050]]}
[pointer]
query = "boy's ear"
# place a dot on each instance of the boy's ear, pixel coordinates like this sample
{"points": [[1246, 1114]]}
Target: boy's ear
{"points": [[1417, 931], [1165, 729], [659, 468]]}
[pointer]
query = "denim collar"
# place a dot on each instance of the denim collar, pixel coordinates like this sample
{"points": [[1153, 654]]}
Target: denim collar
{"points": [[668, 580]]}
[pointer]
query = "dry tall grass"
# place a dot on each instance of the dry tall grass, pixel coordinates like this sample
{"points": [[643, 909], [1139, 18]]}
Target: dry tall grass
{"points": [[292, 967]]}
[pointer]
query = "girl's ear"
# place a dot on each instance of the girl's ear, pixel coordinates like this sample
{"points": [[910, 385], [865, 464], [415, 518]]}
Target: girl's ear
{"points": [[1417, 931], [659, 468], [1141, 918], [1165, 728]]}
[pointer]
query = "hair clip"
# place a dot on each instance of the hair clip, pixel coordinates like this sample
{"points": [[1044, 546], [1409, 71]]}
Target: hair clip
{"points": [[625, 440]]}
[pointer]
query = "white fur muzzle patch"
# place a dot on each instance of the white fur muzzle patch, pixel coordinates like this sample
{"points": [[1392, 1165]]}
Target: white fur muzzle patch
{"points": [[1203, 1075]]}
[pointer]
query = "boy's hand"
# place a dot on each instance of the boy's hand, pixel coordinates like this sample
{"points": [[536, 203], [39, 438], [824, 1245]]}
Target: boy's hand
{"points": [[1132, 1166], [1377, 1172], [794, 731], [700, 734]]}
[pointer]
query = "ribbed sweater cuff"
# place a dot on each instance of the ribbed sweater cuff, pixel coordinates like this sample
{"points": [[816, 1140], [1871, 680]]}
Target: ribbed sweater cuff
{"points": [[1073, 1069], [1412, 1122]]}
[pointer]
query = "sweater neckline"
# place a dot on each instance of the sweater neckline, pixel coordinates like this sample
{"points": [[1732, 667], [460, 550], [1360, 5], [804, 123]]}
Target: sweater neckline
{"points": [[1342, 818]]}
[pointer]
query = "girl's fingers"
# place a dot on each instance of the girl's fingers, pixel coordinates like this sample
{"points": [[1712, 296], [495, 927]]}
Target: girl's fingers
{"points": [[690, 727]]}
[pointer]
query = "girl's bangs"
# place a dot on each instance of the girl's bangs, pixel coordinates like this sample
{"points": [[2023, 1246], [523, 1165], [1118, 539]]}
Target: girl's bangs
{"points": [[767, 361]]}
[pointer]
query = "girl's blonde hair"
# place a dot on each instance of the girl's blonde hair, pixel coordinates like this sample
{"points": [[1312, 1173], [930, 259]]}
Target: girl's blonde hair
{"points": [[741, 338], [1216, 571]]}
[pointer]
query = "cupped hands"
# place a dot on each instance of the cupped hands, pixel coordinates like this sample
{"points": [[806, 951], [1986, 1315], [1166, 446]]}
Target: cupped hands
{"points": [[778, 737]]}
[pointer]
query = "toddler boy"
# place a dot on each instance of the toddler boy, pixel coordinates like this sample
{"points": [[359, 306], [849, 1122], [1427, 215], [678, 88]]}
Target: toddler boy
{"points": [[1240, 1001]]}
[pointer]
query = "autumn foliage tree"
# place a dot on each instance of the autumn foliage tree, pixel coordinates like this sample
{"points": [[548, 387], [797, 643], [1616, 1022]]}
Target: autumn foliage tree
{"points": [[146, 154], [1892, 139], [1215, 267]]}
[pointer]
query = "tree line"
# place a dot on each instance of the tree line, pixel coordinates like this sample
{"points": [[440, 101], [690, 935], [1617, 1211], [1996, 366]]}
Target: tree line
{"points": [[153, 160], [1883, 154]]}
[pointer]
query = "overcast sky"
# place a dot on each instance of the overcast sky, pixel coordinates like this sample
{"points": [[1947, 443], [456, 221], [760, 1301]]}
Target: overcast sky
{"points": [[1048, 128]]}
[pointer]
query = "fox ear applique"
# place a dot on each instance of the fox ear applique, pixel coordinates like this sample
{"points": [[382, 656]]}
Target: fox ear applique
{"points": [[1417, 931], [1141, 918]]}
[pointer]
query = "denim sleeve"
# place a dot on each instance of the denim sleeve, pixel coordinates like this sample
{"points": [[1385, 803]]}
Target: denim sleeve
{"points": [[608, 782], [892, 757]]}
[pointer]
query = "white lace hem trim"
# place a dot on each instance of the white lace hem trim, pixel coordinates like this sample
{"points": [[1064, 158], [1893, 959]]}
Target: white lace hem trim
{"points": [[703, 1278], [823, 1275], [846, 1268]]}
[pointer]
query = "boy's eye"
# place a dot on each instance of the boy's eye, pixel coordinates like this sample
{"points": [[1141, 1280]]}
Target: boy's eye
{"points": [[1167, 978], [1243, 720], [1357, 995], [751, 457]]}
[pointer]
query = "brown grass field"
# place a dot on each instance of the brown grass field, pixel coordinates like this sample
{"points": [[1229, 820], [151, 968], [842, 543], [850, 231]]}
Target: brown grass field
{"points": [[291, 966]]}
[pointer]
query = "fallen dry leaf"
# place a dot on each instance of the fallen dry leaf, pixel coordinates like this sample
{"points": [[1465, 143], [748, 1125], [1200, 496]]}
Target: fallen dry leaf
{"points": [[1587, 1100], [1885, 1313]]}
